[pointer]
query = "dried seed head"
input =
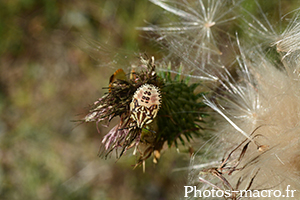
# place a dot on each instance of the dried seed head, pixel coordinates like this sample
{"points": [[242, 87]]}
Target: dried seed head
{"points": [[145, 104]]}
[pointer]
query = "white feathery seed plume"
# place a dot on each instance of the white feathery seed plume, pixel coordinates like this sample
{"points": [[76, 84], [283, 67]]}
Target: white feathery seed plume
{"points": [[259, 27], [289, 41], [267, 108], [194, 35], [257, 118]]}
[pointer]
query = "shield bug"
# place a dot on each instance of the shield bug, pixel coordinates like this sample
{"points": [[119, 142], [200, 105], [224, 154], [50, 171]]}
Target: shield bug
{"points": [[145, 104]]}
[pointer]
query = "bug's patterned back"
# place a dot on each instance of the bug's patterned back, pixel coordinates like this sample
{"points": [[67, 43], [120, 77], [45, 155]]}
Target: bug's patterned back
{"points": [[145, 104]]}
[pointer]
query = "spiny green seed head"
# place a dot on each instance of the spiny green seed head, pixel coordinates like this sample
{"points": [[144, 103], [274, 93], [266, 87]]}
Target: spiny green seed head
{"points": [[143, 126], [182, 110]]}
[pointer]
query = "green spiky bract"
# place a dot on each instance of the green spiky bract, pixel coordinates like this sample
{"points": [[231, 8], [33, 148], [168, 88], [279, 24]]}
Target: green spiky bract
{"points": [[181, 114]]}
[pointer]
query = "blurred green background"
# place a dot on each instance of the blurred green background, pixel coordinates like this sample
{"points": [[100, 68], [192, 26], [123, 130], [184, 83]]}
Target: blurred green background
{"points": [[48, 78]]}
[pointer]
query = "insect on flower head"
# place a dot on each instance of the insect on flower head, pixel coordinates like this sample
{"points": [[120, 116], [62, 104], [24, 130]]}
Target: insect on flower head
{"points": [[137, 100]]}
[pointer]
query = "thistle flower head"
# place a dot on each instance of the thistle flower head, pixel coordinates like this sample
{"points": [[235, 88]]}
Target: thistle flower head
{"points": [[153, 109]]}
